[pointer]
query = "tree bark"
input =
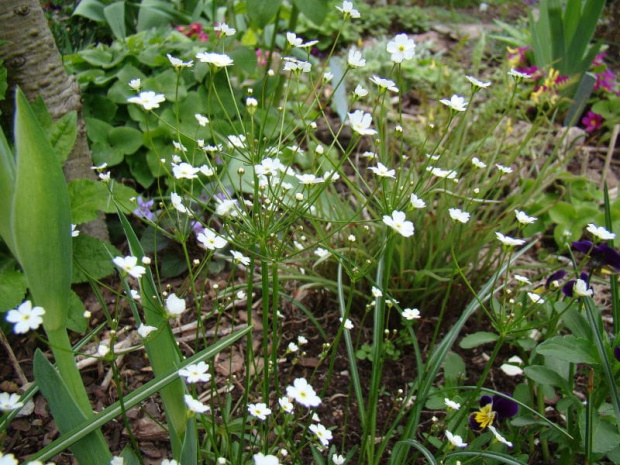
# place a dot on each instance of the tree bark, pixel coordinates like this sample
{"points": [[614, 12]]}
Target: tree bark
{"points": [[35, 65]]}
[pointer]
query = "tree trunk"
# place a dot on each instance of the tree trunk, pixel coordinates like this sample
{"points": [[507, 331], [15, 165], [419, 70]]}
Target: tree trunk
{"points": [[34, 64]]}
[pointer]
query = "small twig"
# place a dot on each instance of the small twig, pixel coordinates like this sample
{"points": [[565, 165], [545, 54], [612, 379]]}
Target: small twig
{"points": [[18, 369], [610, 152]]}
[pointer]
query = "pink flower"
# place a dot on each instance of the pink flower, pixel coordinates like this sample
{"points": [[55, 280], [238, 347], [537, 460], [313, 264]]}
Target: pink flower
{"points": [[592, 121]]}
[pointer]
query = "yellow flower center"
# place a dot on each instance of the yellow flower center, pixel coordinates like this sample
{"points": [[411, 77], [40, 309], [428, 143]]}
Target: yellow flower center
{"points": [[485, 416]]}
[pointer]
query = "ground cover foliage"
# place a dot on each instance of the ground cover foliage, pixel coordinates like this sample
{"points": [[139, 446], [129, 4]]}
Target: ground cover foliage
{"points": [[326, 248]]}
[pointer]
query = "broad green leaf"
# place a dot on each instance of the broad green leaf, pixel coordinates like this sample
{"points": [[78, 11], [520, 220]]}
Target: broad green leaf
{"points": [[157, 13], [62, 135], [41, 221], [97, 130], [569, 349], [477, 339], [140, 170], [12, 289], [3, 82], [115, 17], [125, 139], [75, 318], [605, 435], [189, 452], [314, 10], [89, 197], [92, 448], [129, 456], [545, 376], [262, 11], [562, 213], [7, 186], [92, 258], [91, 9]]}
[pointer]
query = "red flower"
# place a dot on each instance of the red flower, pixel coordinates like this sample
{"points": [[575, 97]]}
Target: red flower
{"points": [[592, 121]]}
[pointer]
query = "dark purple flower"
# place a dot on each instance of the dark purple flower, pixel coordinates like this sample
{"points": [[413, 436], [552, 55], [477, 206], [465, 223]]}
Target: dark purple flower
{"points": [[197, 227], [605, 80], [556, 276], [592, 121], [601, 255], [617, 353], [492, 410], [144, 209]]}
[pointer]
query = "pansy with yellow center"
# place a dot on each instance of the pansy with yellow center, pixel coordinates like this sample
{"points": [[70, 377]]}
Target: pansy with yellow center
{"points": [[492, 410]]}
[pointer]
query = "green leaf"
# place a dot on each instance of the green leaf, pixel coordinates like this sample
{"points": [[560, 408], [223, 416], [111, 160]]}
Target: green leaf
{"points": [[261, 12], [41, 221], [12, 289], [97, 130], [604, 434], [125, 139], [102, 153], [7, 187], [545, 376], [314, 10], [89, 197], [91, 9], [93, 258], [67, 414], [75, 318], [115, 17], [477, 339], [569, 349], [62, 135]]}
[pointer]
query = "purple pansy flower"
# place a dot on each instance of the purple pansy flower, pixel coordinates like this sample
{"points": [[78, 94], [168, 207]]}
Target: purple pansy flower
{"points": [[492, 410], [144, 209]]}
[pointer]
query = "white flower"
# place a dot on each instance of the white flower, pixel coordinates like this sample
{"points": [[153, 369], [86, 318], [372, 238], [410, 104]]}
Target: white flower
{"points": [[458, 215], [411, 314], [360, 122], [302, 393], [456, 102], [509, 241], [324, 435], [285, 404], [309, 179], [518, 74], [503, 169], [384, 83], [219, 60], [148, 99], [238, 257], [499, 437], [451, 404], [10, 402], [269, 167], [376, 292], [175, 305], [210, 240], [417, 202], [360, 91], [135, 84], [348, 10], [535, 298], [261, 459], [25, 317], [382, 171], [227, 207], [195, 405], [477, 163], [117, 460], [355, 59], [295, 41], [401, 48], [522, 279], [74, 231], [169, 462], [225, 30], [293, 64], [510, 369], [455, 440], [130, 265], [292, 348], [196, 373], [260, 410], [338, 459], [251, 102], [179, 63], [145, 330], [580, 289], [185, 171], [600, 232], [321, 253], [446, 174], [177, 203], [348, 324], [523, 218], [477, 83], [202, 120], [399, 224]]}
